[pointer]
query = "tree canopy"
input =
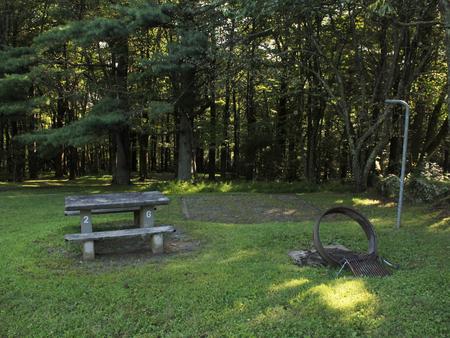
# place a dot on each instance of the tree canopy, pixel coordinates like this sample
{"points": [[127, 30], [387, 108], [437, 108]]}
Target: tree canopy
{"points": [[257, 89]]}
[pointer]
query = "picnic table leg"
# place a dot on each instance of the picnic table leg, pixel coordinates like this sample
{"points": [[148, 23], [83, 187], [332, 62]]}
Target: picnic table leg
{"points": [[147, 220], [86, 227], [136, 218], [157, 243]]}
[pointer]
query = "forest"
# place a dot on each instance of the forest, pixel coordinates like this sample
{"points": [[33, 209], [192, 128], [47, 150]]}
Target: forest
{"points": [[284, 90]]}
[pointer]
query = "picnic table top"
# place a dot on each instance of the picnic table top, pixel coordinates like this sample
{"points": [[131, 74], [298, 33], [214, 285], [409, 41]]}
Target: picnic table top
{"points": [[116, 200]]}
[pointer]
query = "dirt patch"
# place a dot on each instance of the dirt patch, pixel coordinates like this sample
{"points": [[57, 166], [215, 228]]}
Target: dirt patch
{"points": [[173, 243], [124, 251], [248, 208]]}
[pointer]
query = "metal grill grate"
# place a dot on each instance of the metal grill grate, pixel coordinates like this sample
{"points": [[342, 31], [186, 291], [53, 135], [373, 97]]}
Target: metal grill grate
{"points": [[368, 268], [369, 264]]}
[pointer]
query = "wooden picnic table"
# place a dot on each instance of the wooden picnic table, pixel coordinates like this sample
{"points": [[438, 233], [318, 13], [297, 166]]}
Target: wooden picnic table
{"points": [[142, 204]]}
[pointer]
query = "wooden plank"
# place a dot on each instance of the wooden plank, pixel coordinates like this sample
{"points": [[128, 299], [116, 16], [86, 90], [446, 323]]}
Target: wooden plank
{"points": [[102, 211], [119, 233], [114, 201]]}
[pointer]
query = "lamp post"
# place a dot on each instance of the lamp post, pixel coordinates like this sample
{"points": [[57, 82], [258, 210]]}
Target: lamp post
{"points": [[405, 146]]}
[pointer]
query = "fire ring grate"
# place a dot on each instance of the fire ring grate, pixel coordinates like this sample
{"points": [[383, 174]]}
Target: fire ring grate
{"points": [[367, 264]]}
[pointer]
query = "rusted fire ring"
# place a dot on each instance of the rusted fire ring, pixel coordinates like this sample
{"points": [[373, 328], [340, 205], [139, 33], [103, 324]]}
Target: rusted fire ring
{"points": [[356, 216]]}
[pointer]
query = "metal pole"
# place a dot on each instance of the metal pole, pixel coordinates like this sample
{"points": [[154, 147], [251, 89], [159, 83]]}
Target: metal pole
{"points": [[405, 146]]}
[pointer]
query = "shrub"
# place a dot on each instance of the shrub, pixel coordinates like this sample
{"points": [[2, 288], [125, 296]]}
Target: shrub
{"points": [[422, 186], [389, 186], [422, 189], [432, 171]]}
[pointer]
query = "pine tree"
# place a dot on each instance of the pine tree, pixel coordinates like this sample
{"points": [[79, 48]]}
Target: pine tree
{"points": [[16, 104], [105, 39]]}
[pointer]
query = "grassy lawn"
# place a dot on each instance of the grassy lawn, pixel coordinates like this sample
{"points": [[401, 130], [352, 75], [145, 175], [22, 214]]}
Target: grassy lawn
{"points": [[239, 282]]}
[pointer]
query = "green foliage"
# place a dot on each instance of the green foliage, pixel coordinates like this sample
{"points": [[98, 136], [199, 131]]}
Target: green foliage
{"points": [[89, 31], [157, 109], [389, 186], [240, 281], [421, 189], [14, 96], [382, 8], [16, 109], [147, 15], [176, 187], [183, 56], [432, 171], [14, 87], [105, 116], [16, 60], [287, 105], [82, 32], [425, 185]]}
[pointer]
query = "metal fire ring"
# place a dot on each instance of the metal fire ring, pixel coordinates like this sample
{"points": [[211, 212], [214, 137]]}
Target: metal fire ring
{"points": [[356, 216]]}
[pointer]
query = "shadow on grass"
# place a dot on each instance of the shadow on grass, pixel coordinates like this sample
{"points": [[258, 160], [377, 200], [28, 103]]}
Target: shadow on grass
{"points": [[240, 282]]}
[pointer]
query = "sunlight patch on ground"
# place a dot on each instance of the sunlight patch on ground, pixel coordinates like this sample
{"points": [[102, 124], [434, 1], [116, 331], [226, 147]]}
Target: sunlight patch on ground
{"points": [[277, 211], [442, 225], [240, 255], [290, 284], [340, 201], [388, 205], [378, 220], [344, 296], [364, 202]]}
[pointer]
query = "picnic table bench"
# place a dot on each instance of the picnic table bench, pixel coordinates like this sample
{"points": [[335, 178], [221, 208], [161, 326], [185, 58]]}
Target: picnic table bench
{"points": [[141, 204]]}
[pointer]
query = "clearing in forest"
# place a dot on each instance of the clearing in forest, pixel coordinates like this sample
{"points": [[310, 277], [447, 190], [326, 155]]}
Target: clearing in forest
{"points": [[248, 208]]}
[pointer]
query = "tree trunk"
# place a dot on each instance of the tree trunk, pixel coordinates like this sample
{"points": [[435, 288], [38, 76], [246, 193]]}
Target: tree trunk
{"points": [[122, 163], [225, 148], [143, 151], [2, 147], [33, 160], [73, 162], [153, 151], [250, 149], [184, 148], [445, 10], [120, 55], [237, 137], [446, 162], [200, 160], [18, 154], [281, 130], [134, 152], [186, 91], [167, 154], [213, 131]]}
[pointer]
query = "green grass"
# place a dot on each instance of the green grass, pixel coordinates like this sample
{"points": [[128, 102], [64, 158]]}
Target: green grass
{"points": [[239, 282]]}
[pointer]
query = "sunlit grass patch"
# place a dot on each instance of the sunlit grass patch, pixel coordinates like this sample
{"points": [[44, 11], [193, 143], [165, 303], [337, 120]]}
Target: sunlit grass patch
{"points": [[365, 201], [290, 284], [202, 186], [344, 295], [240, 282], [239, 256], [442, 225]]}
